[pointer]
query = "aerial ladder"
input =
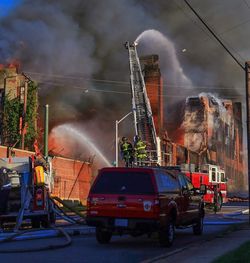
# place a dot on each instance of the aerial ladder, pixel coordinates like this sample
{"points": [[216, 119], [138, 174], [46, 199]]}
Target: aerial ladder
{"points": [[143, 118]]}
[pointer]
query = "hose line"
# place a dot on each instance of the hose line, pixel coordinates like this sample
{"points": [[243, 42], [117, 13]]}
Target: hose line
{"points": [[41, 248]]}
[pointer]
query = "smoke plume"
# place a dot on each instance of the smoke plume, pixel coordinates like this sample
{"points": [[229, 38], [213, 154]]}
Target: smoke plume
{"points": [[67, 45]]}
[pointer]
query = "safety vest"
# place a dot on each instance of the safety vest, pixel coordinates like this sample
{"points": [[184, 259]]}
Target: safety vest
{"points": [[126, 147], [39, 175], [140, 149]]}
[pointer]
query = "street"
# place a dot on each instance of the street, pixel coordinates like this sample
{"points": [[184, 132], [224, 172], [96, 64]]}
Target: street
{"points": [[84, 248]]}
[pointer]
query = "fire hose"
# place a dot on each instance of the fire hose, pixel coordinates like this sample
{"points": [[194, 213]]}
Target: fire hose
{"points": [[41, 248], [63, 214], [60, 231]]}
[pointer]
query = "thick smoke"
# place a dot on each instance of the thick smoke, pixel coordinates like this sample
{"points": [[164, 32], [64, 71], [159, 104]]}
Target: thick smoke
{"points": [[64, 45]]}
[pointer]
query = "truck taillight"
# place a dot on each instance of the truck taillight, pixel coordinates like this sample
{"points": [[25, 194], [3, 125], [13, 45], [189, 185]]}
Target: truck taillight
{"points": [[157, 201]]}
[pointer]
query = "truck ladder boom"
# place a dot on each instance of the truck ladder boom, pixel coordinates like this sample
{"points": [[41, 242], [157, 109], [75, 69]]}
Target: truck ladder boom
{"points": [[143, 119]]}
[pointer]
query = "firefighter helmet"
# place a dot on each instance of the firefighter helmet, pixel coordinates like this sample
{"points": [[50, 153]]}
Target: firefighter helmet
{"points": [[124, 139], [136, 138]]}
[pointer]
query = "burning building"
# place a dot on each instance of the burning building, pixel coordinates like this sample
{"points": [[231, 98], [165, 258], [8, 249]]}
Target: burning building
{"points": [[211, 132], [213, 129]]}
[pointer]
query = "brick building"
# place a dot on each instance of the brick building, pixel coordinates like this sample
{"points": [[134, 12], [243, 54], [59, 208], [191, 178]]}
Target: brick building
{"points": [[154, 85], [211, 132]]}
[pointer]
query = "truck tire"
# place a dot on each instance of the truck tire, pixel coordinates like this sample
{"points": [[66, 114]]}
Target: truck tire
{"points": [[167, 234], [220, 201], [198, 226], [52, 217], [45, 222], [35, 222], [103, 236]]}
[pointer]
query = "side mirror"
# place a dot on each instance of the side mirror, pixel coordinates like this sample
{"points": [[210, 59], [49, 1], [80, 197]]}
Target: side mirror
{"points": [[203, 189]]}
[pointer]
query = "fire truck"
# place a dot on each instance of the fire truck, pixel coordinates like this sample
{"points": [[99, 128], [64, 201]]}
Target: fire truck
{"points": [[22, 196], [210, 175], [214, 178]]}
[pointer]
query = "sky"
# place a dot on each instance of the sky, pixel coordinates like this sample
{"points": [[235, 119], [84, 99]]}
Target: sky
{"points": [[7, 5]]}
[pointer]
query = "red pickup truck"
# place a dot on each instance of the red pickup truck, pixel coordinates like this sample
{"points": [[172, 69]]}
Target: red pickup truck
{"points": [[140, 201]]}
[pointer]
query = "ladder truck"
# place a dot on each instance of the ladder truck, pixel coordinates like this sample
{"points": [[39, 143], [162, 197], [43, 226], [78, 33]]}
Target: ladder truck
{"points": [[143, 118], [145, 129]]}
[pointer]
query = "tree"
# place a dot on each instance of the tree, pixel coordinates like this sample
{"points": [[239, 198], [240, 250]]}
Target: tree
{"points": [[13, 111]]}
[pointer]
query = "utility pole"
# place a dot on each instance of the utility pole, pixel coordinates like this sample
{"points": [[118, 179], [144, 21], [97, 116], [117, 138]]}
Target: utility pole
{"points": [[24, 113], [46, 130], [247, 74], [247, 71]]}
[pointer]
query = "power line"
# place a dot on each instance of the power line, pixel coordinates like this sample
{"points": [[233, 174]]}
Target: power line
{"points": [[191, 19], [216, 37], [234, 27], [129, 93], [195, 23], [125, 83]]}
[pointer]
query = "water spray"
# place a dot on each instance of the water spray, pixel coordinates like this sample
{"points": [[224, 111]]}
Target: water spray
{"points": [[81, 137]]}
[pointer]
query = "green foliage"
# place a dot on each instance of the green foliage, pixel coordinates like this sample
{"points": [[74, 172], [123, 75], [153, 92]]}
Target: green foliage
{"points": [[13, 110], [31, 115]]}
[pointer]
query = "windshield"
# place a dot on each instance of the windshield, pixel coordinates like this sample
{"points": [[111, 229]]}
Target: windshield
{"points": [[114, 182]]}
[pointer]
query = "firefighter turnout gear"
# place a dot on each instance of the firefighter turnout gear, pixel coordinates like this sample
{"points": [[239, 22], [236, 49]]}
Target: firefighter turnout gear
{"points": [[127, 152], [39, 175], [140, 150]]}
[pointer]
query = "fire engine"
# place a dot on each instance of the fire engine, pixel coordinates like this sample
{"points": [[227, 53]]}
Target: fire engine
{"points": [[214, 178], [23, 195], [210, 175]]}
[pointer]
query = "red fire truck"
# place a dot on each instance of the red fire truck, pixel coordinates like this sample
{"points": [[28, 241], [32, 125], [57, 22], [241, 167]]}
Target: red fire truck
{"points": [[210, 175], [214, 178]]}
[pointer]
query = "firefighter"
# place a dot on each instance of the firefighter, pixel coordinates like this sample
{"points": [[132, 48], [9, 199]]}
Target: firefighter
{"points": [[140, 150], [127, 152]]}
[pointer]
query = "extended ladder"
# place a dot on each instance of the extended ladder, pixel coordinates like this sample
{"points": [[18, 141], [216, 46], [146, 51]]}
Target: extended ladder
{"points": [[143, 119]]}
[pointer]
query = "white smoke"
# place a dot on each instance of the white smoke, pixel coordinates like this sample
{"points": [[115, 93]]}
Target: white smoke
{"points": [[155, 42]]}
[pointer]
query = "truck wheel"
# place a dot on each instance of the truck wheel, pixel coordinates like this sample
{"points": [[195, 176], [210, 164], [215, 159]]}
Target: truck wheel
{"points": [[102, 236], [45, 222], [220, 201], [52, 217], [167, 235], [35, 223], [198, 226], [1, 225], [217, 206]]}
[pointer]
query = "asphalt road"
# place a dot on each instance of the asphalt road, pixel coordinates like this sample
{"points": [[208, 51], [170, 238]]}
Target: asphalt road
{"points": [[121, 249]]}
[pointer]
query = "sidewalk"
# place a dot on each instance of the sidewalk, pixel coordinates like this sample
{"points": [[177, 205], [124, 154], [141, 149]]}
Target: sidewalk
{"points": [[208, 250]]}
